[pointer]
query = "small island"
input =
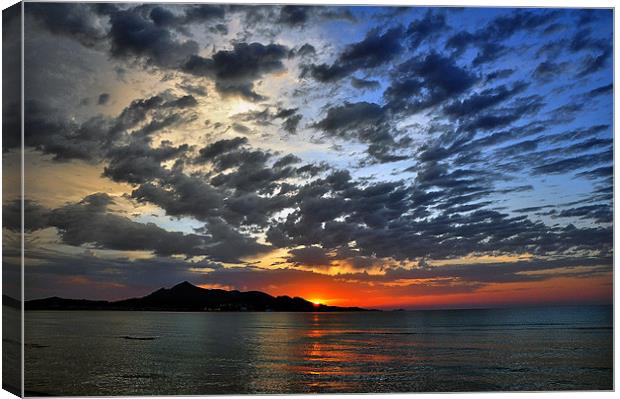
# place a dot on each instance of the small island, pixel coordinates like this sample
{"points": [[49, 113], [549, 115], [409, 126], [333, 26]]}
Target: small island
{"points": [[186, 297]]}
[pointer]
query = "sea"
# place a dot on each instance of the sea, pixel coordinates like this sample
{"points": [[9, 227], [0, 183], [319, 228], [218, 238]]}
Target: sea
{"points": [[174, 353]]}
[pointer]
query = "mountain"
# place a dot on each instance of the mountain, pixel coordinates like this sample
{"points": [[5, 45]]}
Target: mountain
{"points": [[187, 297], [11, 302]]}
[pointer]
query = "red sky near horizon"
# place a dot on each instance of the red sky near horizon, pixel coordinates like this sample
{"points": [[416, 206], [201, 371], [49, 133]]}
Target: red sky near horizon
{"points": [[555, 291], [333, 290]]}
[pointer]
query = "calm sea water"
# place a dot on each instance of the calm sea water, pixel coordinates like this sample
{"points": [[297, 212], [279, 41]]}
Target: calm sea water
{"points": [[142, 353]]}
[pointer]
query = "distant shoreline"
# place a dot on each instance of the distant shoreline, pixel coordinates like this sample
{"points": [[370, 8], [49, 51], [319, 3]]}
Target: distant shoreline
{"points": [[10, 302], [186, 297]]}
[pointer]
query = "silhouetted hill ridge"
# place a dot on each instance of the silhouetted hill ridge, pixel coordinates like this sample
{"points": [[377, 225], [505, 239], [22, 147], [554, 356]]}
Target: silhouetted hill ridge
{"points": [[188, 297]]}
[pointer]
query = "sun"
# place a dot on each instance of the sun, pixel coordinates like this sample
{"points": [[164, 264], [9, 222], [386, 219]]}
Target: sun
{"points": [[317, 302]]}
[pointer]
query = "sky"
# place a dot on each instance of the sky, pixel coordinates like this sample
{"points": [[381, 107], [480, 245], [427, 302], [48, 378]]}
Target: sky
{"points": [[385, 157]]}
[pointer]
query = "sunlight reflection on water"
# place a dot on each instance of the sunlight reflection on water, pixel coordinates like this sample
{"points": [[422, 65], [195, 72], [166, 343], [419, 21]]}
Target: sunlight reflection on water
{"points": [[84, 353]]}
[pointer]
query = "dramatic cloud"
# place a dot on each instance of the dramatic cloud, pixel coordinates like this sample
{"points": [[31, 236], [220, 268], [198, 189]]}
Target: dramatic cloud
{"points": [[79, 21], [421, 83], [489, 39], [90, 222], [235, 71], [310, 256], [375, 50], [388, 155], [134, 35], [53, 132], [366, 122], [422, 29]]}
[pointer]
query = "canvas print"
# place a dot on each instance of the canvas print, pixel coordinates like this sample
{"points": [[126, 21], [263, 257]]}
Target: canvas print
{"points": [[277, 199]]}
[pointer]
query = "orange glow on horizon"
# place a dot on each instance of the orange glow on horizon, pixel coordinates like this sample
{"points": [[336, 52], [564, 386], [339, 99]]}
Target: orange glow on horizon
{"points": [[560, 290], [208, 286], [374, 293]]}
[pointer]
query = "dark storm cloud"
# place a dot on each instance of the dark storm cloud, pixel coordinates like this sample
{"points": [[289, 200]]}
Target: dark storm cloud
{"points": [[35, 216], [90, 222], [483, 100], [79, 21], [489, 38], [351, 116], [549, 70], [252, 174], [52, 132], [181, 102], [306, 50], [135, 36], [599, 51], [180, 20], [367, 123], [138, 109], [579, 134], [375, 50], [294, 15], [560, 153], [382, 219], [138, 162], [219, 147], [203, 13], [270, 18], [602, 172], [594, 63], [181, 195], [48, 131], [11, 118], [600, 213], [290, 124], [574, 163], [309, 256], [520, 271], [582, 40], [144, 32], [243, 157], [431, 25], [227, 244], [289, 116], [162, 16], [602, 90], [287, 160], [391, 220], [420, 83], [241, 187], [235, 71], [489, 52], [504, 116], [540, 154]]}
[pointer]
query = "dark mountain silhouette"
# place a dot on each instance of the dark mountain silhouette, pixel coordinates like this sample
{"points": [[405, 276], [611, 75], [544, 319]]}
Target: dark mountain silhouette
{"points": [[11, 302], [188, 297]]}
